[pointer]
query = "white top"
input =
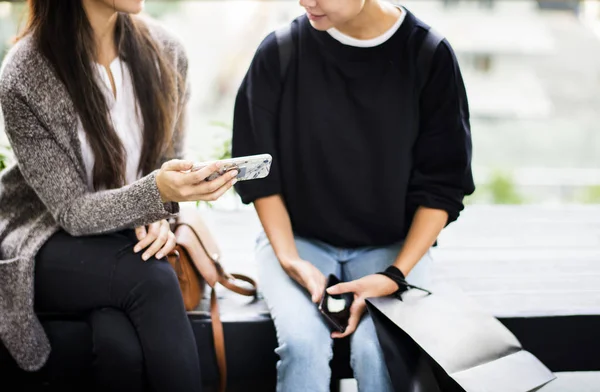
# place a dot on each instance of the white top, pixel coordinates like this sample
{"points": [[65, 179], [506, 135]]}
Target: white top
{"points": [[368, 43], [126, 120]]}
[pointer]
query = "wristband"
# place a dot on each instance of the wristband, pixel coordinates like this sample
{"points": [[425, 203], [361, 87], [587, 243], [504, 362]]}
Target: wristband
{"points": [[398, 277]]}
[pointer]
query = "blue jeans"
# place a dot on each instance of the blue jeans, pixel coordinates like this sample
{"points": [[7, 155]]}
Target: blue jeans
{"points": [[305, 344]]}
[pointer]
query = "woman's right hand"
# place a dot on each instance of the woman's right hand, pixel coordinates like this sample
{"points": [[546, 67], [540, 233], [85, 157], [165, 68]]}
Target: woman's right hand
{"points": [[308, 276], [177, 183]]}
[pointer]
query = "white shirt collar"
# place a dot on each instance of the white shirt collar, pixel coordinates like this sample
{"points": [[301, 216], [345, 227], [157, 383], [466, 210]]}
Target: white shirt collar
{"points": [[368, 43]]}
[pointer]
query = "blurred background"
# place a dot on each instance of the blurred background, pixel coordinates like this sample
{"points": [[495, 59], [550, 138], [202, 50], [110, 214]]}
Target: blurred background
{"points": [[531, 68], [532, 74]]}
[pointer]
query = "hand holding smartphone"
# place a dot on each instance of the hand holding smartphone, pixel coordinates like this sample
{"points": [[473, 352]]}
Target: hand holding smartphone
{"points": [[250, 167], [336, 308]]}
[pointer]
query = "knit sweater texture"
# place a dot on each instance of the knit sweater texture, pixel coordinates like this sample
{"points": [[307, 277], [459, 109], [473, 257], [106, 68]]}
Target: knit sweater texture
{"points": [[46, 189]]}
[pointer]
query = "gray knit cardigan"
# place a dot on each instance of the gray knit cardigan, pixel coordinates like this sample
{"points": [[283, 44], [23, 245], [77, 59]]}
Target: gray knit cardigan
{"points": [[46, 189]]}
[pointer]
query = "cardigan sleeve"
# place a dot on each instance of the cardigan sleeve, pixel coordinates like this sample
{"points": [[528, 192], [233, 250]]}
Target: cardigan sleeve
{"points": [[55, 179]]}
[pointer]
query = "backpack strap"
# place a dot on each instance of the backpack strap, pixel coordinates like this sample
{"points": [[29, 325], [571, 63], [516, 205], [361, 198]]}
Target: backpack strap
{"points": [[425, 57], [285, 43]]}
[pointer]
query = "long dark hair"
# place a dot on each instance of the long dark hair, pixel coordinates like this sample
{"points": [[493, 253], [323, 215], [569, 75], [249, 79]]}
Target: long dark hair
{"points": [[65, 37]]}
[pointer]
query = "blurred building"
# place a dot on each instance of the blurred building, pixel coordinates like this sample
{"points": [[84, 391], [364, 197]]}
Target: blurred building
{"points": [[531, 67]]}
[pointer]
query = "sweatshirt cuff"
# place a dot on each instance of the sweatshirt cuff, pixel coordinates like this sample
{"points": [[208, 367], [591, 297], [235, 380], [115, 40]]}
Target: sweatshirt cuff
{"points": [[452, 207]]}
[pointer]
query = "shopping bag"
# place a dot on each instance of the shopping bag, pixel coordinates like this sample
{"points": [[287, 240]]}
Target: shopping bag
{"points": [[445, 342]]}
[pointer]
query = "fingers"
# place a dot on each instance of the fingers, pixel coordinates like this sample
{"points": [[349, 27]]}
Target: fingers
{"points": [[316, 288], [159, 242], [187, 184], [218, 183], [226, 182], [177, 165], [341, 288], [321, 285], [314, 281], [201, 175], [169, 246], [356, 311], [140, 232], [152, 233]]}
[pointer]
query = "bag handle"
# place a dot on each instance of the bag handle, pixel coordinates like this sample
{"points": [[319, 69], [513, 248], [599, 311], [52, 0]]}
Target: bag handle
{"points": [[227, 280], [230, 282]]}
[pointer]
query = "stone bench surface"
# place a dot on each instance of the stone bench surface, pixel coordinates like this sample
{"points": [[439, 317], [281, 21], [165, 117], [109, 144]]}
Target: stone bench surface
{"points": [[516, 261]]}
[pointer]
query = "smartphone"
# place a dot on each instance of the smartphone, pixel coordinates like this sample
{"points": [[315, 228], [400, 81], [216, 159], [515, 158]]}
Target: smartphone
{"points": [[250, 167], [336, 308]]}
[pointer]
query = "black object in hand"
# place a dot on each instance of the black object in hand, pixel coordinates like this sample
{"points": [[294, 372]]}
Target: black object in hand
{"points": [[336, 308]]}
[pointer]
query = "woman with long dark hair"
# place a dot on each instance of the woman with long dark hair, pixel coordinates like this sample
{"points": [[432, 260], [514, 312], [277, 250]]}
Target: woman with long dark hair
{"points": [[93, 99]]}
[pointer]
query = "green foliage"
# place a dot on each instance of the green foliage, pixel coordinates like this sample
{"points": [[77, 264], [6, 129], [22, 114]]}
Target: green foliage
{"points": [[223, 151], [221, 124], [5, 157], [471, 199], [501, 189], [160, 9], [590, 195], [2, 162]]}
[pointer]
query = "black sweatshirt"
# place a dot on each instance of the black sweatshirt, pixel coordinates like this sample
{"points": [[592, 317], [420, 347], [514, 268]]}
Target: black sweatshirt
{"points": [[356, 147]]}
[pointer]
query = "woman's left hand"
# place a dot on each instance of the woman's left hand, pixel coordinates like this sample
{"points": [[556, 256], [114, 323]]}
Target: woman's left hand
{"points": [[158, 238], [370, 286]]}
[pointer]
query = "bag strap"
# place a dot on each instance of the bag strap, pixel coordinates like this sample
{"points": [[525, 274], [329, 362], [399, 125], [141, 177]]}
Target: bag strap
{"points": [[218, 340], [425, 56], [193, 219], [285, 44], [229, 281]]}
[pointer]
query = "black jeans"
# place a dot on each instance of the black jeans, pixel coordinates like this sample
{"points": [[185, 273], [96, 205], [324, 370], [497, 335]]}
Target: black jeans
{"points": [[141, 332]]}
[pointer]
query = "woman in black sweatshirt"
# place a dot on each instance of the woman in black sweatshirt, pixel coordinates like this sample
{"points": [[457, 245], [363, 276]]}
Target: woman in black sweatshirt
{"points": [[371, 160]]}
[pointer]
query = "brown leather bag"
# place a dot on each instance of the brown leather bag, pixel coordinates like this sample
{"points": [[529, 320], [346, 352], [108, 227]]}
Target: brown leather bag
{"points": [[196, 260]]}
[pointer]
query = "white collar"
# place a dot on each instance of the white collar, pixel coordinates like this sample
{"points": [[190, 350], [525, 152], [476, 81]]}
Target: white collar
{"points": [[368, 43]]}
